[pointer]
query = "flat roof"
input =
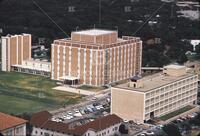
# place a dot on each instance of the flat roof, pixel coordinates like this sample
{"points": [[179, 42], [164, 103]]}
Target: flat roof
{"points": [[94, 32], [32, 68], [174, 66], [68, 78], [154, 81]]}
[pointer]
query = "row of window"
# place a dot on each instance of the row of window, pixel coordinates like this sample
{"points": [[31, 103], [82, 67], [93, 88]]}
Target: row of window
{"points": [[170, 99], [172, 87], [166, 109], [167, 103]]}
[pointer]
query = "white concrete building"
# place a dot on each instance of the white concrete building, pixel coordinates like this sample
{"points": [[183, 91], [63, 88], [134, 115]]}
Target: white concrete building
{"points": [[156, 95], [35, 67]]}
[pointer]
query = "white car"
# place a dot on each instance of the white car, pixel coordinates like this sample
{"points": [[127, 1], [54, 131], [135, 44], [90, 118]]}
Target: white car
{"points": [[149, 133], [69, 112], [76, 110]]}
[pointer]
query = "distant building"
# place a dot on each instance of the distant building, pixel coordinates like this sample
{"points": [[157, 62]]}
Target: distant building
{"points": [[96, 57], [153, 96], [44, 126], [15, 49], [16, 56], [35, 67], [12, 126], [194, 43]]}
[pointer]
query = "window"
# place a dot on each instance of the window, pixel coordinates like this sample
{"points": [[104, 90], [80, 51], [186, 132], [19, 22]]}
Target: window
{"points": [[17, 130], [36, 131]]}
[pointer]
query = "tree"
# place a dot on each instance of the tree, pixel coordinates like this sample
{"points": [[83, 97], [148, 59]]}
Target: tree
{"points": [[171, 130], [182, 58], [197, 50]]}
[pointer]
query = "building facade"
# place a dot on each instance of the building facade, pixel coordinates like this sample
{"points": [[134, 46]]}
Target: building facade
{"points": [[155, 95], [96, 57], [12, 126], [15, 49]]}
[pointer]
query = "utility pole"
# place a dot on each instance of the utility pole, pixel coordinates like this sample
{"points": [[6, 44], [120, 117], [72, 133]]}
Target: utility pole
{"points": [[1, 31]]}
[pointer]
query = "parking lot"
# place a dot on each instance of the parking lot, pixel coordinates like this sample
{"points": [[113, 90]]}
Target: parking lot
{"points": [[81, 114], [182, 123]]}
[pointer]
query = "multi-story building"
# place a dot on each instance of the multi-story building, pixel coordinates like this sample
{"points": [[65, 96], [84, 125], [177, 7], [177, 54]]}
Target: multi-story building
{"points": [[96, 57], [155, 95], [44, 126], [15, 49], [12, 126]]}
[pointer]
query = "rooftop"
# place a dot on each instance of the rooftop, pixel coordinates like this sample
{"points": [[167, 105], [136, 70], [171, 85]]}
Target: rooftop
{"points": [[94, 32], [154, 81], [8, 121], [98, 124], [174, 66], [43, 120]]}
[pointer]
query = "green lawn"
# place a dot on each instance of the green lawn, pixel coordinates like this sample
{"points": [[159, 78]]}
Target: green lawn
{"points": [[28, 93], [175, 113]]}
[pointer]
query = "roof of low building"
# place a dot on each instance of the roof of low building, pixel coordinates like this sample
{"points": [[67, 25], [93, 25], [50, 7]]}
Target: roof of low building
{"points": [[98, 124], [43, 120], [135, 78], [174, 66], [8, 121]]}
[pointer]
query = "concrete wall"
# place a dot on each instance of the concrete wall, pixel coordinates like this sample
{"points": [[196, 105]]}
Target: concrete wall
{"points": [[127, 104], [44, 132], [15, 131], [174, 71], [105, 132]]}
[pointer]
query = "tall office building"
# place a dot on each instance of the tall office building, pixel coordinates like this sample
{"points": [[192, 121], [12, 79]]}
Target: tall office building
{"points": [[154, 95], [15, 49], [96, 57]]}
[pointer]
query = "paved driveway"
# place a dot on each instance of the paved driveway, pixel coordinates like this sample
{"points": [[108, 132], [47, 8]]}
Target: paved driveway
{"points": [[74, 90]]}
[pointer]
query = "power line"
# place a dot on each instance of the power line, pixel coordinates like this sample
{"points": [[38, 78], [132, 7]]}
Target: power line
{"points": [[149, 18], [49, 17], [99, 12]]}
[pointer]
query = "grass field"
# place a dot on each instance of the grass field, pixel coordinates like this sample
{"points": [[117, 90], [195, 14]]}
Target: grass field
{"points": [[21, 93]]}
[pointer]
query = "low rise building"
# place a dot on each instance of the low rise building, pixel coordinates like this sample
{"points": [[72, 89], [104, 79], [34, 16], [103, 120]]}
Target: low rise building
{"points": [[35, 67], [153, 96], [12, 126], [44, 126]]}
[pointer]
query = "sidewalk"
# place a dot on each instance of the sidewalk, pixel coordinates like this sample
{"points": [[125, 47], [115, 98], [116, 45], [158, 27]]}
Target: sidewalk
{"points": [[74, 90]]}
